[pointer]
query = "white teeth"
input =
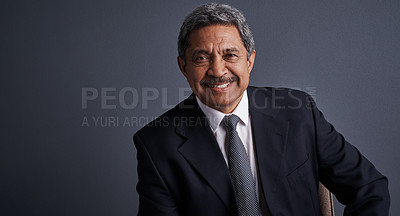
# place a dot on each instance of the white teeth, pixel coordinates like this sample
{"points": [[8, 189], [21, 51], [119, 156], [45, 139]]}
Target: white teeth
{"points": [[222, 86]]}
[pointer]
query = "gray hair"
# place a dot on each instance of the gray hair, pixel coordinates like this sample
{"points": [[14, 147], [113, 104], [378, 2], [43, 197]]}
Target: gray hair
{"points": [[214, 14]]}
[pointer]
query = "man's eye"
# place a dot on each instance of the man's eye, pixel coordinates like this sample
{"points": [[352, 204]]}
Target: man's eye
{"points": [[201, 59], [230, 56]]}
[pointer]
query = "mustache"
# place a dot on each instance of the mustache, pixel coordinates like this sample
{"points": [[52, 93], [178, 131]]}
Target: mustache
{"points": [[212, 81]]}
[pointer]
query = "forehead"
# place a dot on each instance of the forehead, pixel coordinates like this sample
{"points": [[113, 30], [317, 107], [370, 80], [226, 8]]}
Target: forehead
{"points": [[215, 35]]}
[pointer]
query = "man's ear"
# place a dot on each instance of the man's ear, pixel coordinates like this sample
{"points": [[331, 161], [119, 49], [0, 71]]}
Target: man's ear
{"points": [[250, 62], [181, 64]]}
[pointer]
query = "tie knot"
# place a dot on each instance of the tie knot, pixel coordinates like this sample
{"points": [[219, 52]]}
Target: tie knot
{"points": [[230, 122]]}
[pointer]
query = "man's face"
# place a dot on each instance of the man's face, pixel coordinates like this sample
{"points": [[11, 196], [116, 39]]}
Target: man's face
{"points": [[216, 66]]}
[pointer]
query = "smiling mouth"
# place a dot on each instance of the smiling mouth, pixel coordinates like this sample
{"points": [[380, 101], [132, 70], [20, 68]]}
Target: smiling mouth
{"points": [[218, 83], [221, 86]]}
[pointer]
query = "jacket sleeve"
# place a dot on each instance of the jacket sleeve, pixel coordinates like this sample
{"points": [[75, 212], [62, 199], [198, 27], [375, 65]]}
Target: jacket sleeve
{"points": [[347, 173], [154, 196]]}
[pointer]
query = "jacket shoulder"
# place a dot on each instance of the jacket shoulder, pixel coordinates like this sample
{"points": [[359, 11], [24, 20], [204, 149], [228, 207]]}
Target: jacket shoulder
{"points": [[167, 122]]}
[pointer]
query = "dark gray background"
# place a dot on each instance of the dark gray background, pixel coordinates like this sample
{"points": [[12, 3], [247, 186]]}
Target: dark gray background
{"points": [[346, 53]]}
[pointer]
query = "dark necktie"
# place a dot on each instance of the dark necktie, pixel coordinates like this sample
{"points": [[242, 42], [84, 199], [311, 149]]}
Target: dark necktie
{"points": [[239, 167]]}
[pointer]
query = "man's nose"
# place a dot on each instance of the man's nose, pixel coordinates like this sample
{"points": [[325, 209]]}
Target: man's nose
{"points": [[217, 67]]}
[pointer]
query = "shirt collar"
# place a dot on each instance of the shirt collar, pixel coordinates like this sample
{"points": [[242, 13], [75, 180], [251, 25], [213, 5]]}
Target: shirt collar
{"points": [[215, 117]]}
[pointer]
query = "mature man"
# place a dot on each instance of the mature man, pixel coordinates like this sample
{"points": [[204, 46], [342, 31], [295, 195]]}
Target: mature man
{"points": [[230, 149]]}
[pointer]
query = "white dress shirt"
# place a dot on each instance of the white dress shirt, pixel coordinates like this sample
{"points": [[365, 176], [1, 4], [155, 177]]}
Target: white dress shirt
{"points": [[243, 128]]}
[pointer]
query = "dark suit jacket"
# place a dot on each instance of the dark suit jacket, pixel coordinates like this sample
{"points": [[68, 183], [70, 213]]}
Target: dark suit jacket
{"points": [[182, 171]]}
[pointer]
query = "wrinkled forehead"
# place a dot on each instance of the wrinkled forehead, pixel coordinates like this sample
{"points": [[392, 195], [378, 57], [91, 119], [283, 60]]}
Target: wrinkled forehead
{"points": [[215, 34]]}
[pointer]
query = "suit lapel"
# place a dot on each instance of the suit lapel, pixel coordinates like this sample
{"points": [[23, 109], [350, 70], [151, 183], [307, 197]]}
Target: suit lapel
{"points": [[203, 154], [269, 136]]}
